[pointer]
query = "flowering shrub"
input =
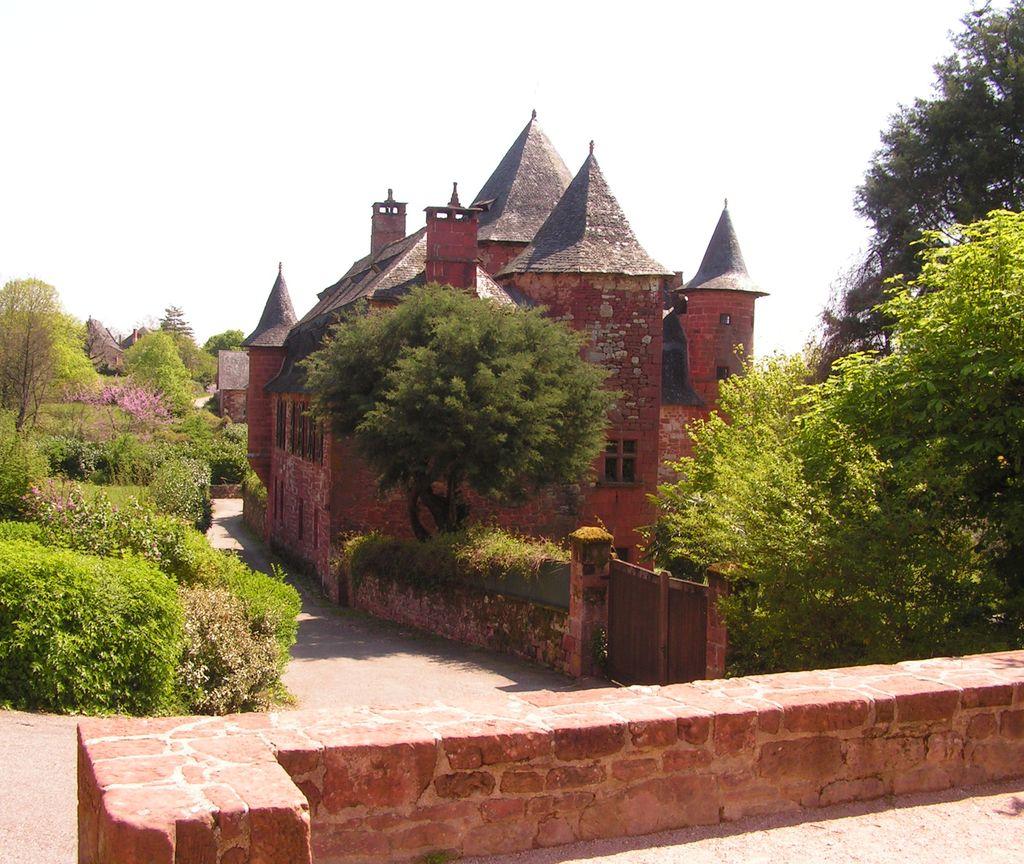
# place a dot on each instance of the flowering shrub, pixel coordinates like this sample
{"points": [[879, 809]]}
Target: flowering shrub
{"points": [[141, 406], [230, 659]]}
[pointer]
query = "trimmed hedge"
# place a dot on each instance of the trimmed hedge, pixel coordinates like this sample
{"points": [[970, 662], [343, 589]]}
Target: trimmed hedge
{"points": [[81, 633], [476, 555]]}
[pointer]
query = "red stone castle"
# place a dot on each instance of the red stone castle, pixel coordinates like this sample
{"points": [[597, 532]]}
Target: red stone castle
{"points": [[534, 235]]}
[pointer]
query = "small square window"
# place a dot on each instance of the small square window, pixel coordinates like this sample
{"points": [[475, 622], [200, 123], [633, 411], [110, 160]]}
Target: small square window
{"points": [[620, 457], [725, 318], [723, 372], [622, 553]]}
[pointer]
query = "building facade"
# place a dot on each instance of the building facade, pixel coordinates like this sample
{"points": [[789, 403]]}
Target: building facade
{"points": [[534, 235]]}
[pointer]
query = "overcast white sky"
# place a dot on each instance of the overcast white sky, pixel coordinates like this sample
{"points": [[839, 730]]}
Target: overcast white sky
{"points": [[172, 153]]}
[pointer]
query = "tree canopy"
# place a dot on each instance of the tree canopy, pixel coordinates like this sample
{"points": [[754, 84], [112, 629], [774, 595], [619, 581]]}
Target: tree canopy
{"points": [[945, 160], [448, 393], [42, 350], [174, 321], [229, 340], [154, 361], [878, 515]]}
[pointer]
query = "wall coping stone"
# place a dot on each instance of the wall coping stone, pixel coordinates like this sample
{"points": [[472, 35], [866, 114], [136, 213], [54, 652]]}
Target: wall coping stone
{"points": [[357, 784]]}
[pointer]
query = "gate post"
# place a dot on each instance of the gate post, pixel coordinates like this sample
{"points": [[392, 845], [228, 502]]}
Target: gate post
{"points": [[717, 637], [591, 550]]}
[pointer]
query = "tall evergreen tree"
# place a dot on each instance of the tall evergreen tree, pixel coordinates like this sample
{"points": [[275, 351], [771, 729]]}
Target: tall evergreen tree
{"points": [[949, 159], [174, 321]]}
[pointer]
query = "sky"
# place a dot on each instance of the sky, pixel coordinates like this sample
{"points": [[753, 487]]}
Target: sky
{"points": [[172, 153]]}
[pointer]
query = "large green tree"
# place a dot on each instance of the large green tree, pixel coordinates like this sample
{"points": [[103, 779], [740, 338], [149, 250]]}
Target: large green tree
{"points": [[945, 160], [879, 515], [448, 393], [42, 349], [155, 362]]}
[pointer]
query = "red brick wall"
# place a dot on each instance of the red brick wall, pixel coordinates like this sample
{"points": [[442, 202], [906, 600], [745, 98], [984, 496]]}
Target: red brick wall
{"points": [[232, 404], [674, 441], [494, 256], [621, 316], [451, 247], [298, 494], [264, 364], [711, 343], [363, 785], [499, 623]]}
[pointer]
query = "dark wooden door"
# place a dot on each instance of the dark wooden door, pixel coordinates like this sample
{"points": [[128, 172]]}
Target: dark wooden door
{"points": [[657, 627]]}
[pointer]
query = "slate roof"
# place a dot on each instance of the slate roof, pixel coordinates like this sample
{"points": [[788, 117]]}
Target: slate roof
{"points": [[676, 388], [101, 343], [524, 188], [277, 318], [723, 267], [587, 232], [232, 370]]}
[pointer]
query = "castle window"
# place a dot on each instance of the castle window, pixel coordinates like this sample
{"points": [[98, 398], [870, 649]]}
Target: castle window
{"points": [[293, 436], [723, 372], [725, 318], [619, 461], [301, 520], [280, 423]]}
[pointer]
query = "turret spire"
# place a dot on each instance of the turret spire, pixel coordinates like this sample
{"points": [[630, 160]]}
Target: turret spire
{"points": [[277, 318]]}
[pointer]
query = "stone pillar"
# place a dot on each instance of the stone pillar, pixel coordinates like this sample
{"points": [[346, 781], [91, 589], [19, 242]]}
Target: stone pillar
{"points": [[717, 637], [589, 567]]}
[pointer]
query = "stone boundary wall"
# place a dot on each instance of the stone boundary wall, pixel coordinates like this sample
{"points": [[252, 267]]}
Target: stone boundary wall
{"points": [[498, 622], [362, 785], [254, 514], [226, 490]]}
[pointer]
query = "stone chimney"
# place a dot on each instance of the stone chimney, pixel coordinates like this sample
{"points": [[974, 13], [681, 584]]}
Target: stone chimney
{"points": [[452, 243], [388, 224]]}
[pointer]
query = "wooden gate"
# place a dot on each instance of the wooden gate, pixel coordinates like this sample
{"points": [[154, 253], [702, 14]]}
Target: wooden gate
{"points": [[657, 627]]}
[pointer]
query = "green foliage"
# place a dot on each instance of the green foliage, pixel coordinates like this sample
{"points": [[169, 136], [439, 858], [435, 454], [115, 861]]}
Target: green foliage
{"points": [[833, 560], [201, 366], [42, 351], [951, 158], [20, 531], [21, 465], [154, 362], [181, 487], [229, 340], [83, 633], [469, 556], [230, 661], [448, 392], [253, 488]]}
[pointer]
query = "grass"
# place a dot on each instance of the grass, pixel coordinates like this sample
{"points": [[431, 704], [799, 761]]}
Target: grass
{"points": [[117, 495]]}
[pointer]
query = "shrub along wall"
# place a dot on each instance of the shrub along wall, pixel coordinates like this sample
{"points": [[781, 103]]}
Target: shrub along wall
{"points": [[482, 587], [364, 786]]}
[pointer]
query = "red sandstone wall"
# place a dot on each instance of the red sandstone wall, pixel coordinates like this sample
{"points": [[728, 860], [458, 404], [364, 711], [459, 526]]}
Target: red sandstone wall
{"points": [[264, 364], [712, 344], [674, 442], [299, 488], [494, 256], [232, 404], [621, 316], [361, 785], [493, 621]]}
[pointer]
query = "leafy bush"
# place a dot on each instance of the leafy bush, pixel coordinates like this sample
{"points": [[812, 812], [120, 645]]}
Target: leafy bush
{"points": [[65, 518], [230, 660], [21, 465], [471, 555], [20, 531], [70, 456], [84, 633], [181, 487], [253, 488]]}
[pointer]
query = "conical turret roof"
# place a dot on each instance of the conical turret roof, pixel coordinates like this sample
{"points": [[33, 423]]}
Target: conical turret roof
{"points": [[277, 318], [524, 188], [723, 267], [587, 232]]}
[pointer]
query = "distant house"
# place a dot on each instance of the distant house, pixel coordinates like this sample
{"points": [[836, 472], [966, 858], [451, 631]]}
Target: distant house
{"points": [[133, 337], [232, 384], [101, 346]]}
